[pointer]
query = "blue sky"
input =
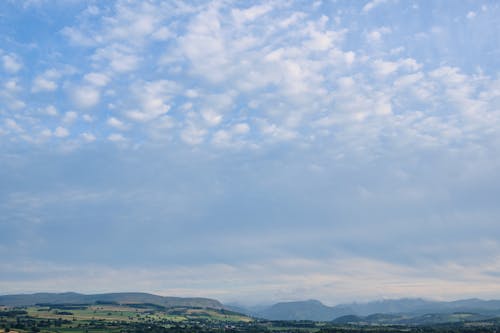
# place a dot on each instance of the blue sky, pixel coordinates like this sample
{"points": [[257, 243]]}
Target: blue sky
{"points": [[251, 151]]}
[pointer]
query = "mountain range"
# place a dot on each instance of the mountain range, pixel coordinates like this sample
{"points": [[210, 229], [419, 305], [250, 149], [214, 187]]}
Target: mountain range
{"points": [[383, 311], [410, 307]]}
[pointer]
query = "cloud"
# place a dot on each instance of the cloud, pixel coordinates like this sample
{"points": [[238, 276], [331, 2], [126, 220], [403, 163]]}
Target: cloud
{"points": [[305, 134], [46, 81], [241, 128], [471, 15], [61, 132], [77, 37], [193, 135], [116, 137], [97, 79], [88, 137], [12, 85], [85, 96], [242, 16], [119, 57], [153, 98], [357, 279], [373, 4], [204, 46], [12, 125], [11, 63], [375, 36], [116, 123], [50, 110], [384, 68], [211, 117], [70, 117]]}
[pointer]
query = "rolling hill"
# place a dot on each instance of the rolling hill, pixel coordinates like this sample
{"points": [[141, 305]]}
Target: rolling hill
{"points": [[120, 298]]}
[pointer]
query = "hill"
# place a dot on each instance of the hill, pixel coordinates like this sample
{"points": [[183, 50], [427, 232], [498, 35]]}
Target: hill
{"points": [[303, 310], [119, 298], [412, 308]]}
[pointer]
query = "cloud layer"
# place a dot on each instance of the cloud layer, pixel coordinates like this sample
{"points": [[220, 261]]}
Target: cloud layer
{"points": [[171, 137]]}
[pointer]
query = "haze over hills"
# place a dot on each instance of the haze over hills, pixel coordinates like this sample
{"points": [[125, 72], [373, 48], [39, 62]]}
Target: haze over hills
{"points": [[384, 311], [315, 310]]}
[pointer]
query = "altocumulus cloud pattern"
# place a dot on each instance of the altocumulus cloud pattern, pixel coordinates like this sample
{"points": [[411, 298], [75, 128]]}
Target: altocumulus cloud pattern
{"points": [[269, 150]]}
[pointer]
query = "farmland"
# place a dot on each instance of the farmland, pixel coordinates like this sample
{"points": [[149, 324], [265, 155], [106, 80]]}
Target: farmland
{"points": [[136, 318]]}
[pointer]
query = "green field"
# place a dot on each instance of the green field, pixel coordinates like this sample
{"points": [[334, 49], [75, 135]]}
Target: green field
{"points": [[137, 318]]}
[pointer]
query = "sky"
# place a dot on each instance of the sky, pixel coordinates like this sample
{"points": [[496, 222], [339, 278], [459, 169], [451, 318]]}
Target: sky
{"points": [[251, 151]]}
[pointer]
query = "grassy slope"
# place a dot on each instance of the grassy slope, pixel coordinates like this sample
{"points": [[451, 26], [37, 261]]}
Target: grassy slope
{"points": [[126, 313]]}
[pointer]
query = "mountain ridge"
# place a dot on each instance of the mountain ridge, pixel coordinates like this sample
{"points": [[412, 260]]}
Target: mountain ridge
{"points": [[122, 298], [315, 310], [295, 310]]}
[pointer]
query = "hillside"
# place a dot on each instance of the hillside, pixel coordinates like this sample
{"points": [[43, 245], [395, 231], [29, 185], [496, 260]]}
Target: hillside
{"points": [[120, 298], [315, 310], [303, 310]]}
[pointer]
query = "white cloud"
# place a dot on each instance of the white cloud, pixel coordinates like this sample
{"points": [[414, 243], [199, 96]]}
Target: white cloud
{"points": [[153, 98], [242, 16], [92, 10], [192, 93], [193, 135], [120, 58], [12, 85], [372, 4], [41, 83], [88, 137], [162, 34], [88, 118], [11, 124], [77, 37], [226, 138], [11, 63], [471, 15], [97, 79], [320, 38], [116, 123], [50, 110], [116, 137], [70, 117], [211, 117], [287, 74], [85, 96], [61, 132], [221, 138], [384, 68], [47, 81], [375, 36], [276, 133], [46, 133], [408, 80], [205, 47], [241, 128], [16, 104]]}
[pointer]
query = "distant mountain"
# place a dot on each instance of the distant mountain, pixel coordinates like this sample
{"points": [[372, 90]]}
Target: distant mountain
{"points": [[408, 319], [380, 310], [421, 306], [303, 310], [398, 311], [121, 298]]}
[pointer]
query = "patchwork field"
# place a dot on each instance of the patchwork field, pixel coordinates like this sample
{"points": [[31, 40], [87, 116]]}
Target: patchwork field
{"points": [[137, 318]]}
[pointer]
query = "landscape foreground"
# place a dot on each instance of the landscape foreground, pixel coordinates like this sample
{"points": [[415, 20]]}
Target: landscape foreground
{"points": [[138, 312]]}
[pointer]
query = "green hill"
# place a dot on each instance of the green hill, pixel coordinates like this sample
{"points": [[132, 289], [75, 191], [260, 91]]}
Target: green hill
{"points": [[119, 298]]}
